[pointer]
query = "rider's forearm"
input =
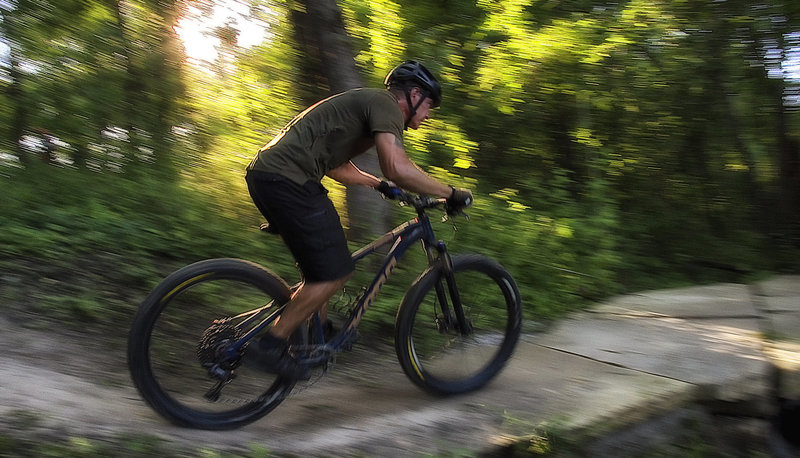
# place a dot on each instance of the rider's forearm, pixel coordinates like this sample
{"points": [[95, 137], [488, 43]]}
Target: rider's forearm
{"points": [[397, 167], [349, 174], [407, 175]]}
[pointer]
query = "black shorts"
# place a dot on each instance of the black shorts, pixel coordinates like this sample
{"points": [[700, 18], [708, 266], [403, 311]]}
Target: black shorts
{"points": [[308, 222]]}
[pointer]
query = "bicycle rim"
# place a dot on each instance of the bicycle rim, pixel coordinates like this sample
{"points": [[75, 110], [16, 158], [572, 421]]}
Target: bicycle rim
{"points": [[441, 358], [181, 335]]}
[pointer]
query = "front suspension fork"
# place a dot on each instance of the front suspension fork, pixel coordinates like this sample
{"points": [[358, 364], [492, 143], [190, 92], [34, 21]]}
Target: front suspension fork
{"points": [[455, 316]]}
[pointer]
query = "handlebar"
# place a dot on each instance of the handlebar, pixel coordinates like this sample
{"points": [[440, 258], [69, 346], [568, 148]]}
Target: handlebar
{"points": [[421, 202]]}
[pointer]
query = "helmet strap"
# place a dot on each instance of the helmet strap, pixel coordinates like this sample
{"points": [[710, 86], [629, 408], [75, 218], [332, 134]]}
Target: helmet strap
{"points": [[413, 108]]}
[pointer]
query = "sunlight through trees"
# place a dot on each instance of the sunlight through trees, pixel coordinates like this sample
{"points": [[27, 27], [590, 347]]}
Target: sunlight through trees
{"points": [[632, 142]]}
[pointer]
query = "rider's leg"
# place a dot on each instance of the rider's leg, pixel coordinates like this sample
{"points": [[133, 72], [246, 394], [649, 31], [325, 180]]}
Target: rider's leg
{"points": [[270, 352], [309, 298], [309, 224]]}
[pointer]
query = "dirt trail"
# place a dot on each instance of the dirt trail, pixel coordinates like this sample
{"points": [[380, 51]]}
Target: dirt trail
{"points": [[68, 385], [628, 361]]}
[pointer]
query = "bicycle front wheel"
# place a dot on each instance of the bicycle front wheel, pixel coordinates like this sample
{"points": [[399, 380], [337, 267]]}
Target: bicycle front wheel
{"points": [[182, 328], [433, 350]]}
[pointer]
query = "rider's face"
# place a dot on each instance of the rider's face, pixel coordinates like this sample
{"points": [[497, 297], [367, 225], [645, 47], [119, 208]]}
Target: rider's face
{"points": [[423, 112]]}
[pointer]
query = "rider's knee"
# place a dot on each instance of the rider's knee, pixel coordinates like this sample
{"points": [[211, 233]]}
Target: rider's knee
{"points": [[339, 282], [330, 284]]}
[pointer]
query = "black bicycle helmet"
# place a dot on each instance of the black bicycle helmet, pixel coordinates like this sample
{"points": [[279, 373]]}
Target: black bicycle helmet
{"points": [[413, 73], [410, 74]]}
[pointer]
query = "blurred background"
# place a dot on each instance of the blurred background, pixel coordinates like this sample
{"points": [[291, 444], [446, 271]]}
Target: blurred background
{"points": [[612, 146]]}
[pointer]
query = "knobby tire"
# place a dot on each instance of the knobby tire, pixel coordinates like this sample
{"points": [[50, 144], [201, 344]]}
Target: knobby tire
{"points": [[439, 358], [162, 345]]}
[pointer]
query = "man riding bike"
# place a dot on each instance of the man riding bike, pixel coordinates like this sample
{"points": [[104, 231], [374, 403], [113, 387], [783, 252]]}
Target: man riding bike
{"points": [[284, 183]]}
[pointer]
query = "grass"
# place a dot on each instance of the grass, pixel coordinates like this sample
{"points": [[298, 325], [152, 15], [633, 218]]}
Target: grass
{"points": [[119, 446]]}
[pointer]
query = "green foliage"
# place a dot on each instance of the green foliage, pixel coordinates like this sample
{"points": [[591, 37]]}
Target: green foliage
{"points": [[82, 70], [611, 146], [90, 245]]}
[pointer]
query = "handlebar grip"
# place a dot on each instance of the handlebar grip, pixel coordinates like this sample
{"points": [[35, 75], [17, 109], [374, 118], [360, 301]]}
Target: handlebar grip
{"points": [[389, 191]]}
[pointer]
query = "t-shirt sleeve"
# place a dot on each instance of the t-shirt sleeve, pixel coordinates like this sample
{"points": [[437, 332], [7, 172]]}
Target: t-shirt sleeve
{"points": [[384, 115]]}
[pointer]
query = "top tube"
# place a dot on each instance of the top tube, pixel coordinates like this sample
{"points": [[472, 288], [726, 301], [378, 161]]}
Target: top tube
{"points": [[415, 229]]}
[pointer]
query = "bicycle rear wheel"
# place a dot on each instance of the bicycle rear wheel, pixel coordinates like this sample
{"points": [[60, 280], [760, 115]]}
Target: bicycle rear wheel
{"points": [[433, 351], [186, 323]]}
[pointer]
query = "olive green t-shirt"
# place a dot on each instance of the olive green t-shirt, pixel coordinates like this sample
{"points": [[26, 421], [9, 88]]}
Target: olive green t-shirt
{"points": [[330, 133]]}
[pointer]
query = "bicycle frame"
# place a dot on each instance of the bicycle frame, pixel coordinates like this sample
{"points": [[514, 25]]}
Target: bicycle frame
{"points": [[402, 238]]}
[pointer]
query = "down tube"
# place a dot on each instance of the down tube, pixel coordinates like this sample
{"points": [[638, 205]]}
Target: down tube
{"points": [[408, 237]]}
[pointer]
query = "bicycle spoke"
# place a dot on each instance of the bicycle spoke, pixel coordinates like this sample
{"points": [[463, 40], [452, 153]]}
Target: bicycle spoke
{"points": [[180, 370], [184, 350]]}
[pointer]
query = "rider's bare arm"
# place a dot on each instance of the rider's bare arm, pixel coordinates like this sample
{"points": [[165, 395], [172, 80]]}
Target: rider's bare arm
{"points": [[397, 167], [348, 173]]}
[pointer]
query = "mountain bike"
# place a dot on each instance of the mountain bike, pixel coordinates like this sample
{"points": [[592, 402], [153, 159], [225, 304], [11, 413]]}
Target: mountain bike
{"points": [[455, 329]]}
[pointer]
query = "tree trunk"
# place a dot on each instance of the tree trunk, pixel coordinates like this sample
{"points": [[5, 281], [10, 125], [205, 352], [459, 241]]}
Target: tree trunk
{"points": [[328, 68], [20, 119], [788, 154], [167, 71], [15, 91], [132, 86], [788, 163]]}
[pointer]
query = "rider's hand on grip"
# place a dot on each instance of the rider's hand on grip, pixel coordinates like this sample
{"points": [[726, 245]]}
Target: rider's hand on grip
{"points": [[459, 199], [389, 191]]}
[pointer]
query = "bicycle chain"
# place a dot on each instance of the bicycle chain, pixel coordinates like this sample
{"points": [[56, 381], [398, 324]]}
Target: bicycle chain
{"points": [[300, 386]]}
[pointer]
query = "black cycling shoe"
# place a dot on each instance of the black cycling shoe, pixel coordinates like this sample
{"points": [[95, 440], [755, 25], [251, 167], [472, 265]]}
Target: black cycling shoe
{"points": [[274, 359]]}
